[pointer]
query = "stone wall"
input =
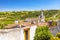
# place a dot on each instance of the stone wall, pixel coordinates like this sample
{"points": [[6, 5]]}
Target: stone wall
{"points": [[55, 30]]}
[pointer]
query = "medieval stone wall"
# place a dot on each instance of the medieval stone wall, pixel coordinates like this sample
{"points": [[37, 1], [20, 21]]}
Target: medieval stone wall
{"points": [[55, 30]]}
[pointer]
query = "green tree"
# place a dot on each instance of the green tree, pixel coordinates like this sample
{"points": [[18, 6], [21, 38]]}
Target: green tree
{"points": [[42, 33]]}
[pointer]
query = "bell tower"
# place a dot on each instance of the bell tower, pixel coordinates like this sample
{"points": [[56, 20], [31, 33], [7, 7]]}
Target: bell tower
{"points": [[42, 17]]}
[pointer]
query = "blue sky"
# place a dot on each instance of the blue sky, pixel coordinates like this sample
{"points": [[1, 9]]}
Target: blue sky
{"points": [[10, 5]]}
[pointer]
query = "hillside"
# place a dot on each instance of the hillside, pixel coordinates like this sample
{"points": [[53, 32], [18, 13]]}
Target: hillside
{"points": [[10, 17]]}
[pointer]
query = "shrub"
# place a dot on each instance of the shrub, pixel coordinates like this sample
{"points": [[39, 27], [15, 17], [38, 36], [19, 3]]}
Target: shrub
{"points": [[41, 28], [58, 35], [1, 26], [42, 33], [54, 38], [54, 23]]}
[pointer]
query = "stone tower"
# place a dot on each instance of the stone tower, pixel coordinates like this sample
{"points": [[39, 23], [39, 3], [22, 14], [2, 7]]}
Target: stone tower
{"points": [[41, 16]]}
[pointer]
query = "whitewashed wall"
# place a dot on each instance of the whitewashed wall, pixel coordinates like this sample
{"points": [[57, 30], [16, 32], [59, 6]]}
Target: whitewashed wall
{"points": [[16, 33], [22, 34], [11, 34], [32, 32]]}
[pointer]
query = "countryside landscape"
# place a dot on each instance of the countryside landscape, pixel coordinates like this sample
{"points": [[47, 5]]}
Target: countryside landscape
{"points": [[29, 19], [9, 17]]}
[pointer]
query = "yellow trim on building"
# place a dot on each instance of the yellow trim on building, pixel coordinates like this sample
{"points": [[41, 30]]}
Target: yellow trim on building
{"points": [[24, 35], [28, 34]]}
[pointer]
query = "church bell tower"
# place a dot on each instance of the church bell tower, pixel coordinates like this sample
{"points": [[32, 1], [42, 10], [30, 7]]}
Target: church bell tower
{"points": [[42, 17]]}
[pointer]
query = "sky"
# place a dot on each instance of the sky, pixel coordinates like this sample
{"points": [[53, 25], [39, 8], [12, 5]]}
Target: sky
{"points": [[15, 5]]}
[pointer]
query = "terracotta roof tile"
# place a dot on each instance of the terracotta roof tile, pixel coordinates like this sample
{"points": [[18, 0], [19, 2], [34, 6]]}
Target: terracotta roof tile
{"points": [[10, 26]]}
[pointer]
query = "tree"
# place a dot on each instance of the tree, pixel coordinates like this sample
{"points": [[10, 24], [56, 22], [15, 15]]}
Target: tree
{"points": [[42, 33]]}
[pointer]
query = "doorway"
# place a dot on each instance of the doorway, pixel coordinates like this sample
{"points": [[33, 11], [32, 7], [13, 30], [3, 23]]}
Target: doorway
{"points": [[27, 34]]}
